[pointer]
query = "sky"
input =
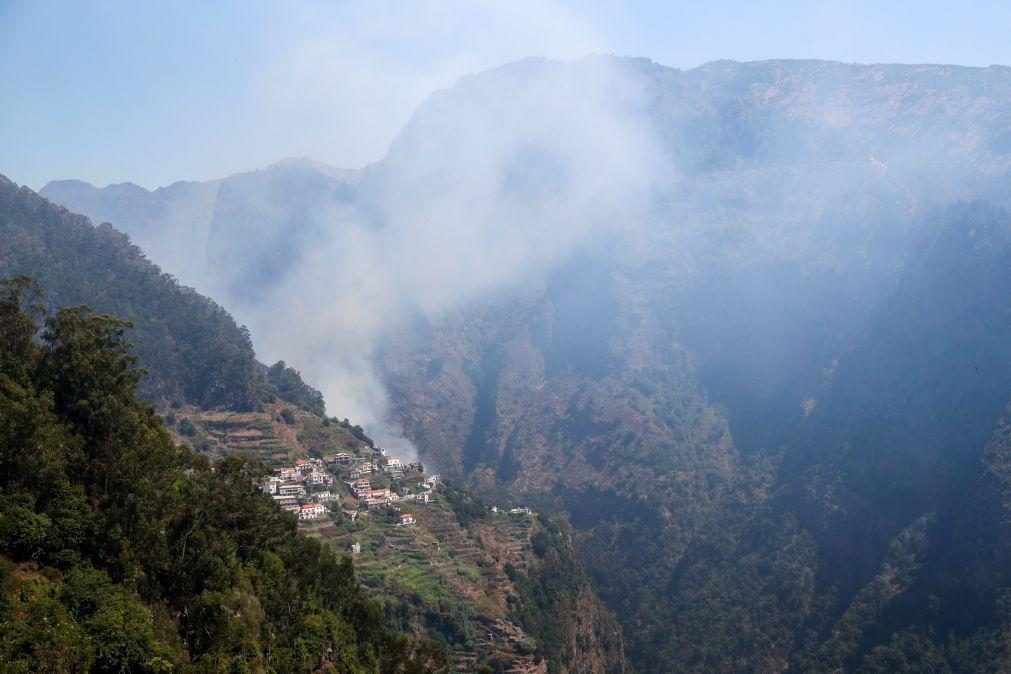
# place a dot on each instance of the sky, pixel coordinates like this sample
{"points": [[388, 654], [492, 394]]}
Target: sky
{"points": [[154, 92]]}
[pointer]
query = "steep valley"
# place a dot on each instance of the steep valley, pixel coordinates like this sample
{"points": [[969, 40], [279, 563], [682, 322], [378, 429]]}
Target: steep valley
{"points": [[744, 328]]}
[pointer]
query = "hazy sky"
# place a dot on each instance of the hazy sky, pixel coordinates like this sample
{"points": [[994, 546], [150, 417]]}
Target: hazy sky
{"points": [[155, 92]]}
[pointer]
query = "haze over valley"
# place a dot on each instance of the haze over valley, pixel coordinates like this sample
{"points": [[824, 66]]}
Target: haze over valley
{"points": [[712, 367]]}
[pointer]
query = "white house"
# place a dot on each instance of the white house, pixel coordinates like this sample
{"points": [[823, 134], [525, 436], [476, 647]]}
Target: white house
{"points": [[405, 520], [312, 511]]}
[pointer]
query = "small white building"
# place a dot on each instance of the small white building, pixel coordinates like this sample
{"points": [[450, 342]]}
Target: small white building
{"points": [[406, 520], [312, 511], [356, 548]]}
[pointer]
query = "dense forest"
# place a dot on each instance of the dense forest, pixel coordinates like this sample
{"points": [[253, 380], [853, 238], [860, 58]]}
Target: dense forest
{"points": [[193, 349], [120, 551]]}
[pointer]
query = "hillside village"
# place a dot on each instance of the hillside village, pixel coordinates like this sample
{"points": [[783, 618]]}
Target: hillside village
{"points": [[439, 572], [347, 485]]}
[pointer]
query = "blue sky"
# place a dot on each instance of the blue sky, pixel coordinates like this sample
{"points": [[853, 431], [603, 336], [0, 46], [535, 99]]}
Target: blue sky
{"points": [[156, 91]]}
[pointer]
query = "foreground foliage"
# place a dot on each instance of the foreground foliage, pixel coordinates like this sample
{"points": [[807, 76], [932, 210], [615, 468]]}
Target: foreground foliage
{"points": [[124, 552]]}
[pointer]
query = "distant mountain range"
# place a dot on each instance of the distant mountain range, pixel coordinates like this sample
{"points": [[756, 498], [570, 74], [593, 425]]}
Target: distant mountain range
{"points": [[199, 229], [747, 326]]}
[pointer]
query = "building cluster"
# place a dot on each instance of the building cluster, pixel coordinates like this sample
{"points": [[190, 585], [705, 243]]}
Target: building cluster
{"points": [[373, 496], [369, 496], [291, 486], [294, 480], [425, 495], [302, 488], [512, 511]]}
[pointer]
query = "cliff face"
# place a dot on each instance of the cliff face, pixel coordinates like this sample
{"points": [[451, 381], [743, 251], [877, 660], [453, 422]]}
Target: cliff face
{"points": [[594, 637], [814, 489], [617, 435], [758, 394]]}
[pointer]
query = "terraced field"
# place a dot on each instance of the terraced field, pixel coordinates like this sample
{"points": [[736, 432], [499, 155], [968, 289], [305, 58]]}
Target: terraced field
{"points": [[278, 432], [446, 581]]}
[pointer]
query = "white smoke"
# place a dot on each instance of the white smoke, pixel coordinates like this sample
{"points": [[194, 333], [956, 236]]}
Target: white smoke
{"points": [[488, 185]]}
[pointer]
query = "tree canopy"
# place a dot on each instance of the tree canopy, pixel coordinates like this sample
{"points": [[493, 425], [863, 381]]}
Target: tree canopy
{"points": [[120, 551]]}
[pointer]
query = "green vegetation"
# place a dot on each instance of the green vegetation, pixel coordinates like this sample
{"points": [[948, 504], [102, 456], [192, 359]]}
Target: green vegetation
{"points": [[120, 551], [406, 569], [550, 591], [290, 387], [192, 348], [502, 591], [467, 507]]}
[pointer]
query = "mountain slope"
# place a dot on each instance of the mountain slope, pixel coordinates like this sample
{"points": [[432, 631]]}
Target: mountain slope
{"points": [[730, 322], [679, 393], [193, 348], [120, 551], [92, 263], [203, 232]]}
